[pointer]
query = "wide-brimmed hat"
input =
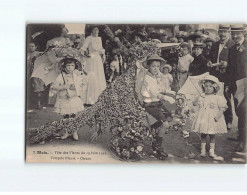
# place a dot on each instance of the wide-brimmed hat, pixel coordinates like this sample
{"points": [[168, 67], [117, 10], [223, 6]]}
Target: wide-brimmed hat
{"points": [[196, 35], [198, 45], [210, 78], [237, 27], [154, 57], [181, 35], [63, 62], [184, 44], [209, 39], [167, 66], [224, 27]]}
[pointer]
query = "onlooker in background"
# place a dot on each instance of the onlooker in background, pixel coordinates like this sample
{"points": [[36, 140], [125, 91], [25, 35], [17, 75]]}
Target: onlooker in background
{"points": [[167, 78], [199, 64], [237, 75], [115, 68], [32, 54], [208, 46], [77, 42], [184, 63], [181, 37], [92, 47], [196, 37], [219, 55]]}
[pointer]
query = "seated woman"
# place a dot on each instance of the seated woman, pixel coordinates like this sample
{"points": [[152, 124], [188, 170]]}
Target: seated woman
{"points": [[152, 93]]}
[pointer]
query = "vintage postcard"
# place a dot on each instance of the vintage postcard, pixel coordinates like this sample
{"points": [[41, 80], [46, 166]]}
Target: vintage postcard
{"points": [[139, 93]]}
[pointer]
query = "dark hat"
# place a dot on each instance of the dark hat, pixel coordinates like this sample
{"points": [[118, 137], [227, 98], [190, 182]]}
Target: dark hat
{"points": [[63, 62], [198, 45], [181, 35], [184, 44], [196, 35], [209, 40], [237, 27], [154, 57], [224, 27]]}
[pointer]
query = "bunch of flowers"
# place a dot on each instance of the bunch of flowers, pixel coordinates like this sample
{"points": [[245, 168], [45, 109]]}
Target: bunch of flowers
{"points": [[141, 50], [128, 140]]}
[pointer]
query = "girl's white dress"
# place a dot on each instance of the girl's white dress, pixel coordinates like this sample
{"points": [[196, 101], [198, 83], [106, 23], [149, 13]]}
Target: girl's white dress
{"points": [[209, 106], [167, 79], [70, 101], [94, 68]]}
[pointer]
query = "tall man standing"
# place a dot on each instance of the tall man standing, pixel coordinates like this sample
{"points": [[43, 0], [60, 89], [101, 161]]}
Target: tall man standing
{"points": [[237, 72], [219, 55]]}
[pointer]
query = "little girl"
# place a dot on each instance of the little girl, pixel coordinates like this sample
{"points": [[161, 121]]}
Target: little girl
{"points": [[70, 85], [115, 68], [209, 120], [167, 78]]}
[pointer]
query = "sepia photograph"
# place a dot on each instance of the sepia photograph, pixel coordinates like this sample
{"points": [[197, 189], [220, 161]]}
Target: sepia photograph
{"points": [[136, 93]]}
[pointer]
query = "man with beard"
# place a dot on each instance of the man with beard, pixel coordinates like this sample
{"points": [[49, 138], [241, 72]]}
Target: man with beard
{"points": [[236, 82], [219, 55]]}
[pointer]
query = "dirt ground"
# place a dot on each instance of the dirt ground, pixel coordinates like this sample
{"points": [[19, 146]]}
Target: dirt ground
{"points": [[179, 149]]}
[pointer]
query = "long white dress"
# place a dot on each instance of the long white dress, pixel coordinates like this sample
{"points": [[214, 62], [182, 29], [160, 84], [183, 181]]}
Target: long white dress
{"points": [[94, 69], [204, 122]]}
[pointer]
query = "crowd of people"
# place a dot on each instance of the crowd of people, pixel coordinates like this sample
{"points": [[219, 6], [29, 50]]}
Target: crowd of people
{"points": [[86, 74]]}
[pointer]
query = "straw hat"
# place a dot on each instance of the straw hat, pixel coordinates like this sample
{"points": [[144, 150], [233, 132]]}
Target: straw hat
{"points": [[237, 27], [224, 27], [154, 57], [211, 78], [167, 66]]}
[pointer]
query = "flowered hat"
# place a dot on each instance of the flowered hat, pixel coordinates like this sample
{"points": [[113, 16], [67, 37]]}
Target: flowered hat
{"points": [[167, 66], [211, 78], [154, 57]]}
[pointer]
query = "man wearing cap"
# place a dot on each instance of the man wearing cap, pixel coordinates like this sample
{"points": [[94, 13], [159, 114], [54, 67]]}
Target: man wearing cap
{"points": [[219, 55], [237, 75], [151, 92], [199, 64]]}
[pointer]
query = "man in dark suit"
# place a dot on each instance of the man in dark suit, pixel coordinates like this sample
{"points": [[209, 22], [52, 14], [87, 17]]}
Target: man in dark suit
{"points": [[199, 64], [219, 55], [237, 73]]}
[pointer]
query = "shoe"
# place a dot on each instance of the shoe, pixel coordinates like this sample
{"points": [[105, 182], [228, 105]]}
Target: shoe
{"points": [[75, 136], [214, 156], [64, 136]]}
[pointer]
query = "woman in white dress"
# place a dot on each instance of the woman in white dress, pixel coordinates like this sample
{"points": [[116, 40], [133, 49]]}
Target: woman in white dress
{"points": [[92, 48]]}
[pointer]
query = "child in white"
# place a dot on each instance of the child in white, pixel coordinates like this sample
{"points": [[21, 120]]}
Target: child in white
{"points": [[70, 85], [209, 120], [115, 69], [184, 63], [167, 78]]}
